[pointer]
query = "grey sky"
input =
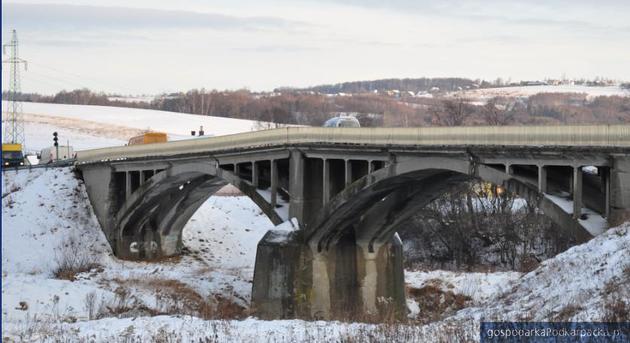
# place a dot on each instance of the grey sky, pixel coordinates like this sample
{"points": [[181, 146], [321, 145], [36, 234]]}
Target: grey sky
{"points": [[149, 46]]}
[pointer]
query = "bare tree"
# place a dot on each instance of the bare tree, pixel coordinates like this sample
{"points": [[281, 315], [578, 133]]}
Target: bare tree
{"points": [[451, 112], [495, 116]]}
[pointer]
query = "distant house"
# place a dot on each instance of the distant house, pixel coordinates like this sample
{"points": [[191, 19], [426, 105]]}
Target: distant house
{"points": [[533, 83]]}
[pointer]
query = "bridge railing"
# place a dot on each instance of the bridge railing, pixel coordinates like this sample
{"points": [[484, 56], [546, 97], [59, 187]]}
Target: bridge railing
{"points": [[534, 136]]}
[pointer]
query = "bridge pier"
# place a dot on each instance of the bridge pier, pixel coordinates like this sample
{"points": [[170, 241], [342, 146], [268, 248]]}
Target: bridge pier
{"points": [[293, 279]]}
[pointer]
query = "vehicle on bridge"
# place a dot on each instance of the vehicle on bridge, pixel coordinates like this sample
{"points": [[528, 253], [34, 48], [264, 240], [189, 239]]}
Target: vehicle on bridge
{"points": [[12, 155], [148, 138], [342, 121], [49, 155]]}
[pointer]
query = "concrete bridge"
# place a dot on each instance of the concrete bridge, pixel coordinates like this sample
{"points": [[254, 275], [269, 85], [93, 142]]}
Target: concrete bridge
{"points": [[350, 189]]}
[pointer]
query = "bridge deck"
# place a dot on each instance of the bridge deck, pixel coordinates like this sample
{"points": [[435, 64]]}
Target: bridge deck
{"points": [[527, 136]]}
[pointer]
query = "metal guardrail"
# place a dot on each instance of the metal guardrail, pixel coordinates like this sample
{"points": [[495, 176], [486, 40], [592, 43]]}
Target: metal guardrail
{"points": [[534, 136], [60, 164]]}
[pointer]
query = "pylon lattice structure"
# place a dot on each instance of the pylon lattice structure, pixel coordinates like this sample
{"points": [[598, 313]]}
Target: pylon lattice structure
{"points": [[12, 119]]}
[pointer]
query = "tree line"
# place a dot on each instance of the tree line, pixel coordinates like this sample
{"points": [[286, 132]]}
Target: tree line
{"points": [[293, 107]]}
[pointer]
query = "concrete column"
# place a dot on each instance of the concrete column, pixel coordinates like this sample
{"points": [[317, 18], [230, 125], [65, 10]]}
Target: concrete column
{"points": [[369, 284], [348, 173], [127, 185], [326, 182], [320, 303], [619, 190], [275, 290], [605, 174], [577, 192], [509, 169], [237, 169], [381, 278], [542, 179], [255, 174], [142, 180], [296, 185], [370, 171], [274, 183]]}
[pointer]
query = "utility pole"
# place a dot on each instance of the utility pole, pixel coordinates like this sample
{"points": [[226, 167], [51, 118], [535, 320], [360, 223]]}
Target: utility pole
{"points": [[14, 123]]}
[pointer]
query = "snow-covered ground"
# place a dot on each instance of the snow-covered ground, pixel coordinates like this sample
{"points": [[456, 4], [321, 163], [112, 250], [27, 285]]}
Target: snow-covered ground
{"points": [[480, 287], [576, 285], [43, 210], [101, 126]]}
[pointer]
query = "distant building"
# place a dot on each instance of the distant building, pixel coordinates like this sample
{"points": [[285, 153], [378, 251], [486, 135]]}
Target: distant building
{"points": [[533, 83]]}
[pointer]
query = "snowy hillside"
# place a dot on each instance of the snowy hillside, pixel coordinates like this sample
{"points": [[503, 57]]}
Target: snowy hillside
{"points": [[100, 126], [583, 283], [526, 91]]}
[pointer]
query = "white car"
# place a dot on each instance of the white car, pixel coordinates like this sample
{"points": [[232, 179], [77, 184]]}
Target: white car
{"points": [[343, 121]]}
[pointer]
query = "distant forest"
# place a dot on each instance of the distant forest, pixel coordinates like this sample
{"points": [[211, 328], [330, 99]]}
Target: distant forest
{"points": [[310, 107], [404, 85]]}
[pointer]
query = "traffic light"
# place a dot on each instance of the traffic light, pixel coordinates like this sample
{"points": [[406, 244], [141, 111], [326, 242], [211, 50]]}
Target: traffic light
{"points": [[55, 139]]}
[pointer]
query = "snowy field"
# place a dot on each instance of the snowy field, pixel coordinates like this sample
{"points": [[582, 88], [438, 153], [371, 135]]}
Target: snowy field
{"points": [[89, 127], [526, 91]]}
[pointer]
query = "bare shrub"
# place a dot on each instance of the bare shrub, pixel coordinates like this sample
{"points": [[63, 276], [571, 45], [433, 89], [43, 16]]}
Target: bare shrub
{"points": [[175, 297], [435, 303], [616, 310], [72, 259], [90, 305], [567, 313]]}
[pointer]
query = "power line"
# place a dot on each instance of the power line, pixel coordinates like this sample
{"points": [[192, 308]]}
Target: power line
{"points": [[82, 78]]}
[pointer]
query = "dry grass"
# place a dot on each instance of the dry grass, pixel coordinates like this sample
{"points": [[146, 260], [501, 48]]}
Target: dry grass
{"points": [[567, 313], [617, 310], [173, 297], [226, 331], [73, 259], [619, 218], [435, 303]]}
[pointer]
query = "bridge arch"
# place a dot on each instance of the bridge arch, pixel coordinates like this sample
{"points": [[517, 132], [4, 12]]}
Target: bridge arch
{"points": [[375, 205], [151, 219]]}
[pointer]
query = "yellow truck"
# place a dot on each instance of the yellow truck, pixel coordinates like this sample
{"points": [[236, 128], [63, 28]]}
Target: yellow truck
{"points": [[12, 155], [148, 138]]}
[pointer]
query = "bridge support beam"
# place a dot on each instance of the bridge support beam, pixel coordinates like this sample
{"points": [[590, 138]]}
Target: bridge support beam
{"points": [[577, 192], [255, 174], [619, 190], [348, 173], [274, 183], [297, 166], [542, 179]]}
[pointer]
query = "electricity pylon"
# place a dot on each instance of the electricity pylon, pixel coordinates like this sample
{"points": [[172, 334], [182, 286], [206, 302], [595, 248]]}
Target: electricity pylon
{"points": [[13, 122]]}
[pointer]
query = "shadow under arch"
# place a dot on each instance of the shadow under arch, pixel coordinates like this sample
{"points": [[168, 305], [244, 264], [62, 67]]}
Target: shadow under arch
{"points": [[152, 218]]}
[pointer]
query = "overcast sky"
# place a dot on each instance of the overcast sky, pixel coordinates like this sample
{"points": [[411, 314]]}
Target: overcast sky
{"points": [[150, 46]]}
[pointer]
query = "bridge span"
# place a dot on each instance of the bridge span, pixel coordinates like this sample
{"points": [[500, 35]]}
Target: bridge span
{"points": [[349, 189]]}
